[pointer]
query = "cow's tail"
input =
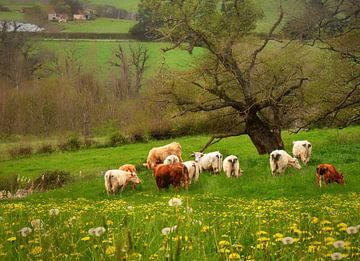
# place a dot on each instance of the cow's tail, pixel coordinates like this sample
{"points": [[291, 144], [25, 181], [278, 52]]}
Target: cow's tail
{"points": [[108, 183]]}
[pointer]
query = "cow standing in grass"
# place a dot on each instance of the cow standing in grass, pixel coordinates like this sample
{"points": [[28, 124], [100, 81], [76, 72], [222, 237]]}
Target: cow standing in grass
{"points": [[231, 166], [157, 155], [211, 161], [280, 160], [116, 179], [173, 174], [328, 174], [302, 149]]}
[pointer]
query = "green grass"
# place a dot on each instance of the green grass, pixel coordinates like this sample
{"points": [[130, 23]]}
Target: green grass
{"points": [[243, 218], [100, 25], [11, 16], [129, 5], [98, 53]]}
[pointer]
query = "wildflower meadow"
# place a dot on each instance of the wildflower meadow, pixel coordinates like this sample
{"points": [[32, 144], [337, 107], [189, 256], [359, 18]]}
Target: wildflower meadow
{"points": [[254, 217]]}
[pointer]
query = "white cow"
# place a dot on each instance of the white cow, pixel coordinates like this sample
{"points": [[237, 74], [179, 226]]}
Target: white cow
{"points": [[171, 159], [193, 169], [302, 149], [211, 161], [280, 160], [231, 166], [118, 179]]}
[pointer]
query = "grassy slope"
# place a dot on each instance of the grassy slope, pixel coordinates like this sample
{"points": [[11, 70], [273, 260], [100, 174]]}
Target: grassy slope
{"points": [[99, 53], [100, 25], [129, 5], [340, 147]]}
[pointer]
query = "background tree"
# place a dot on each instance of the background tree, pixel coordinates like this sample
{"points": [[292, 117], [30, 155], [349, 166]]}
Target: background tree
{"points": [[334, 26], [131, 67], [231, 77]]}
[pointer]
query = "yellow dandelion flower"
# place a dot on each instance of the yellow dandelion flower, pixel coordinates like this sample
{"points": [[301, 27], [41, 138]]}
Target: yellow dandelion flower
{"points": [[234, 256], [11, 239], [263, 239], [327, 229], [314, 220], [342, 225], [110, 250], [224, 243], [205, 229], [36, 250], [109, 222], [297, 231], [261, 232], [85, 239], [325, 222]]}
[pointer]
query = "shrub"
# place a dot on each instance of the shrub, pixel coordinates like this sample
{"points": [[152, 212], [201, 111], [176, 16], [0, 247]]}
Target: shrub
{"points": [[90, 143], [9, 183], [20, 151], [117, 139], [46, 149], [51, 180], [71, 144]]}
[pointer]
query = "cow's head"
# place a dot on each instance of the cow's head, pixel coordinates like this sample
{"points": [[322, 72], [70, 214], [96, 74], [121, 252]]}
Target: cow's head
{"points": [[295, 163], [134, 178], [197, 155]]}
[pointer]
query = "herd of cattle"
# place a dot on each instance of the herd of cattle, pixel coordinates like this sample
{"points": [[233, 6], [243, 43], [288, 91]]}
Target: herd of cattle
{"points": [[169, 168]]}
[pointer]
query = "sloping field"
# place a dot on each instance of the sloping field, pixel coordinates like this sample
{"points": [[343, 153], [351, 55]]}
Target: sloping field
{"points": [[255, 217]]}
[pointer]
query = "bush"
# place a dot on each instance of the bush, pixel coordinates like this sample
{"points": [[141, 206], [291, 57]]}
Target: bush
{"points": [[51, 180], [9, 183], [88, 143], [72, 144], [117, 139], [46, 149], [20, 151]]}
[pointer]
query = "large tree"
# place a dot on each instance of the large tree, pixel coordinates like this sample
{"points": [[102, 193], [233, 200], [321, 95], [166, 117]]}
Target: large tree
{"points": [[231, 78]]}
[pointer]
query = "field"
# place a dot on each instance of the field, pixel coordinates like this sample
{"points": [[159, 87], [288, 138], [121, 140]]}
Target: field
{"points": [[98, 53], [219, 219], [100, 25], [129, 5]]}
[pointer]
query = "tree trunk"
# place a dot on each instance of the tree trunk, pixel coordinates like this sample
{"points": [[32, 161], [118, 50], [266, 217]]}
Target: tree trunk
{"points": [[264, 139]]}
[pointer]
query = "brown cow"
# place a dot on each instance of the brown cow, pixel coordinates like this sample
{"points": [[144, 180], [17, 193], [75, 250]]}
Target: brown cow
{"points": [[171, 174], [328, 174]]}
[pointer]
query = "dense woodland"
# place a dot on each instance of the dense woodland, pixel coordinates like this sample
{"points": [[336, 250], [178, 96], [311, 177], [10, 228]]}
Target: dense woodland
{"points": [[304, 72]]}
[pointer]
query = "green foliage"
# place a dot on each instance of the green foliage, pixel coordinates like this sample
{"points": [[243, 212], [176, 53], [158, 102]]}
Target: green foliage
{"points": [[20, 151], [117, 139], [72, 143], [45, 148], [9, 183], [51, 180]]}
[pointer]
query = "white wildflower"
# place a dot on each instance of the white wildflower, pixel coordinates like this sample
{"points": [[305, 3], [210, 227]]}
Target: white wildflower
{"points": [[91, 231], [25, 231], [287, 240], [336, 256], [99, 231], [352, 230], [167, 230], [339, 244], [54, 212], [175, 202], [37, 224]]}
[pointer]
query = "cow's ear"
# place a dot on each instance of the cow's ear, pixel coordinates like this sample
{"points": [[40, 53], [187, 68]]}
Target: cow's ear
{"points": [[309, 145], [304, 145]]}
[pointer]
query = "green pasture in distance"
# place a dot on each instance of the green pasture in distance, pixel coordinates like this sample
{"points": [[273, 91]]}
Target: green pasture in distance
{"points": [[98, 53], [11, 16], [100, 25], [339, 147], [129, 5]]}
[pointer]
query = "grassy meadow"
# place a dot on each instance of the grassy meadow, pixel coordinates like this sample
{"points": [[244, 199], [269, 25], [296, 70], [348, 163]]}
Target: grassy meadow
{"points": [[219, 219], [98, 53], [100, 25]]}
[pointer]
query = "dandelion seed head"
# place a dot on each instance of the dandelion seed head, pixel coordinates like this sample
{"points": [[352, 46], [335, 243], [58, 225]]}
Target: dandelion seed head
{"points": [[339, 244], [336, 256], [352, 230], [54, 212], [175, 202], [287, 240], [25, 231]]}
